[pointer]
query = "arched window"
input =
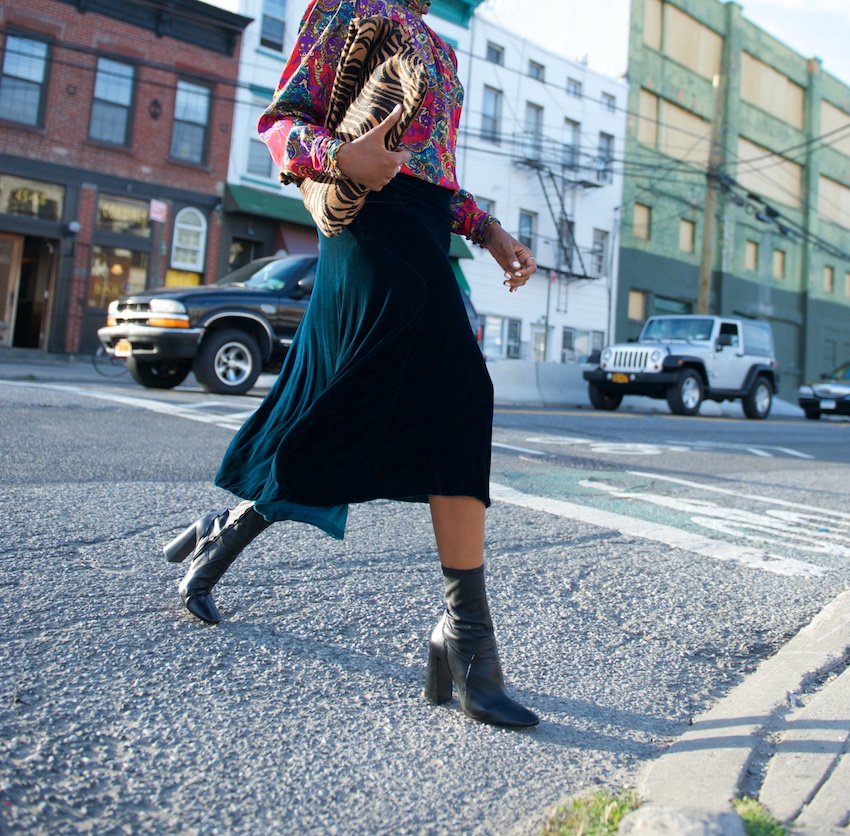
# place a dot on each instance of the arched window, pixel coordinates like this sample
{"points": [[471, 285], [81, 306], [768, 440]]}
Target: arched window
{"points": [[190, 239]]}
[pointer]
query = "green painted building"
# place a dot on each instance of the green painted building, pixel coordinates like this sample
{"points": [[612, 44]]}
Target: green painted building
{"points": [[737, 183]]}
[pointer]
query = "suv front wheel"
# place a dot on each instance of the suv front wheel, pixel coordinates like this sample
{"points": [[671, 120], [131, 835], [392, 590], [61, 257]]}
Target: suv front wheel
{"points": [[157, 374], [758, 400], [228, 363], [602, 400], [685, 395]]}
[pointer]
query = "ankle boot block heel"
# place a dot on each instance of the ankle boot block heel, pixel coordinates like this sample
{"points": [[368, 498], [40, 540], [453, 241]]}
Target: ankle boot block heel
{"points": [[438, 679], [185, 543]]}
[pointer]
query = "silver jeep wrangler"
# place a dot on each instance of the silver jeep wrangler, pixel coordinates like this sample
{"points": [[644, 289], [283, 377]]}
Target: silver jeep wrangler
{"points": [[687, 359]]}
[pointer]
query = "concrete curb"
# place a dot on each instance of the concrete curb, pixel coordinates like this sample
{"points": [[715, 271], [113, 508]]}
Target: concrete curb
{"points": [[706, 767]]}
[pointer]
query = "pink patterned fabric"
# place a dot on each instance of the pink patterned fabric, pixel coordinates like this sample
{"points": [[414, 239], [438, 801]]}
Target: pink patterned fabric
{"points": [[292, 126]]}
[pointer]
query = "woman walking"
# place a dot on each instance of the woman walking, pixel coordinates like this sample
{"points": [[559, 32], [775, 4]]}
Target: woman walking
{"points": [[384, 392]]}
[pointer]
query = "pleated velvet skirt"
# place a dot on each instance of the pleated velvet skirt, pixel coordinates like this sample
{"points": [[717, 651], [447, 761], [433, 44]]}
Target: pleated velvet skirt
{"points": [[384, 392]]}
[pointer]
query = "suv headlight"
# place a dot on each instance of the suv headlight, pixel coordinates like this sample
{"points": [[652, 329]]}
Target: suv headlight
{"points": [[655, 356], [112, 310], [166, 306], [805, 392], [607, 355]]}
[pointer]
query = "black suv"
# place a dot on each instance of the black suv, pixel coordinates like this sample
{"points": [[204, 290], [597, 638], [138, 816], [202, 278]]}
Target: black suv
{"points": [[226, 333]]}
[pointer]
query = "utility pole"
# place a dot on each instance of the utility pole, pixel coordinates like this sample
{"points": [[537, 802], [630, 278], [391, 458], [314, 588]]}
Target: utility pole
{"points": [[714, 159]]}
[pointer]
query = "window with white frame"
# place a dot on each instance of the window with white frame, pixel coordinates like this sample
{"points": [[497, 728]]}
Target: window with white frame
{"points": [[23, 80], [574, 88], [536, 70], [495, 54], [578, 344], [572, 144], [274, 15], [609, 102], [191, 122], [259, 160], [533, 139], [111, 104], [605, 158], [502, 337], [599, 255], [527, 228], [190, 238], [485, 204], [491, 114]]}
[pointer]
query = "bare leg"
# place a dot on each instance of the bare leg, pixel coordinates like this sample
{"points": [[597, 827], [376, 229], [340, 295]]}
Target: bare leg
{"points": [[459, 529]]}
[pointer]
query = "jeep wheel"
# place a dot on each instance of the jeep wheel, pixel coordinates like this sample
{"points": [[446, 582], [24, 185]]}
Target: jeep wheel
{"points": [[812, 414], [228, 363], [758, 400], [602, 400], [685, 395], [157, 374]]}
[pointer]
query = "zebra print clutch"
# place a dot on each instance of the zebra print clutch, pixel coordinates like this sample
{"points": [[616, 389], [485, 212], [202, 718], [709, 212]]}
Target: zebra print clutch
{"points": [[378, 69]]}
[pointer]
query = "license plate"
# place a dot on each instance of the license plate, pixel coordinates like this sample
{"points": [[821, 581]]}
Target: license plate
{"points": [[826, 405], [619, 378], [123, 348]]}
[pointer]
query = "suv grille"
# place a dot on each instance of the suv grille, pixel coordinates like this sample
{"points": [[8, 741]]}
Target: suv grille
{"points": [[629, 359]]}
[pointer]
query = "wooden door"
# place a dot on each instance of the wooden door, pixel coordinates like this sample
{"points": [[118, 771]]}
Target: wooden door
{"points": [[11, 247]]}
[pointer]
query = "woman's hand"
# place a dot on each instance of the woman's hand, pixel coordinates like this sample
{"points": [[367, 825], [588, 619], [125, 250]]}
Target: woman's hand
{"points": [[366, 159], [513, 257]]}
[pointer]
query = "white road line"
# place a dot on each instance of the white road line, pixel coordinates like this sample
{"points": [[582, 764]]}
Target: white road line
{"points": [[674, 537], [525, 450], [751, 496]]}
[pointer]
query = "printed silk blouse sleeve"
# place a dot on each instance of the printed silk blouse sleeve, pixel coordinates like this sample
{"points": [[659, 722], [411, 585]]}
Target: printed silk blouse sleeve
{"points": [[292, 126], [467, 219]]}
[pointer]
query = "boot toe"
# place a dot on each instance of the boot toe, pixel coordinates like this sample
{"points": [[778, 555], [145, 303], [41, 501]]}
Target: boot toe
{"points": [[202, 607]]}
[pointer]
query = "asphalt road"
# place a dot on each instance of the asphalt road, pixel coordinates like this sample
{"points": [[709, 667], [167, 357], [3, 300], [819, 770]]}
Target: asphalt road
{"points": [[639, 566]]}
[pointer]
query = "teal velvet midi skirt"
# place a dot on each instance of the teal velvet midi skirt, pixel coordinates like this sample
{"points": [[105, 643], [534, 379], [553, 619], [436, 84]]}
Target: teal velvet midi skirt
{"points": [[384, 392]]}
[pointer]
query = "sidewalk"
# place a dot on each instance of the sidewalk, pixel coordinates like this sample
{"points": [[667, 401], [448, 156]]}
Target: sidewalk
{"points": [[781, 736]]}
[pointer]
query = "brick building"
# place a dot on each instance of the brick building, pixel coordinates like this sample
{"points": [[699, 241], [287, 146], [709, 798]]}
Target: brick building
{"points": [[115, 125]]}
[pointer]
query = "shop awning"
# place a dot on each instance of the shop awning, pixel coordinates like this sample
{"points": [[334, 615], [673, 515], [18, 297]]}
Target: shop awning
{"points": [[278, 206]]}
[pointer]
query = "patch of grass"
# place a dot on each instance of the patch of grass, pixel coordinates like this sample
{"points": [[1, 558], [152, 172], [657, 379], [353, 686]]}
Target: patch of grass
{"points": [[757, 821], [597, 814]]}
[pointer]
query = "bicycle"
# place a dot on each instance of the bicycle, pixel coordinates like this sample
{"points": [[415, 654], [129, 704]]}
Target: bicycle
{"points": [[107, 364]]}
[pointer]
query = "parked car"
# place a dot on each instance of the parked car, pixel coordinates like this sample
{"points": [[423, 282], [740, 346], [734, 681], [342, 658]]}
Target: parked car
{"points": [[830, 395], [687, 359], [227, 333]]}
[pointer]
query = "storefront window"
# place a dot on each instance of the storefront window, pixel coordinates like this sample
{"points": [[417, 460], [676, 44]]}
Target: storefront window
{"points": [[120, 214], [31, 198], [116, 271], [190, 238]]}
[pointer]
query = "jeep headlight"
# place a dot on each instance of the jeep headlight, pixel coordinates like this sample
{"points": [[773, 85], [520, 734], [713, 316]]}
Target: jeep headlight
{"points": [[112, 310], [607, 355], [805, 392], [166, 306], [655, 356]]}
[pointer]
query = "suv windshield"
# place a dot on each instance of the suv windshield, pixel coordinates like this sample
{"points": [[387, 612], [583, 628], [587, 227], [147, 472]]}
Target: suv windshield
{"points": [[677, 329], [264, 275]]}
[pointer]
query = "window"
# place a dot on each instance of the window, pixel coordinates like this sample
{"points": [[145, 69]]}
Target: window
{"points": [[687, 235], [495, 54], [652, 15], [573, 88], [751, 256], [190, 238], [191, 119], [124, 215], [606, 156], [609, 102], [834, 123], [533, 139], [834, 201], [259, 160], [536, 70], [578, 344], [642, 221], [572, 144], [271, 34], [115, 271], [22, 84], [772, 91], [684, 135], [486, 205], [637, 305], [730, 329], [691, 43], [491, 115], [31, 198], [647, 130], [663, 305], [502, 337], [113, 96], [778, 264], [527, 224], [828, 279], [599, 254], [770, 175]]}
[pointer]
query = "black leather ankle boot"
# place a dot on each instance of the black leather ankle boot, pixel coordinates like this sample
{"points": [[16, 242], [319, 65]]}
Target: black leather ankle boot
{"points": [[463, 650], [227, 535], [187, 541]]}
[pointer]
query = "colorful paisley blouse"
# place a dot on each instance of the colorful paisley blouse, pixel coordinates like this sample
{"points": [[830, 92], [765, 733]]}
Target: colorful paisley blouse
{"points": [[292, 126]]}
